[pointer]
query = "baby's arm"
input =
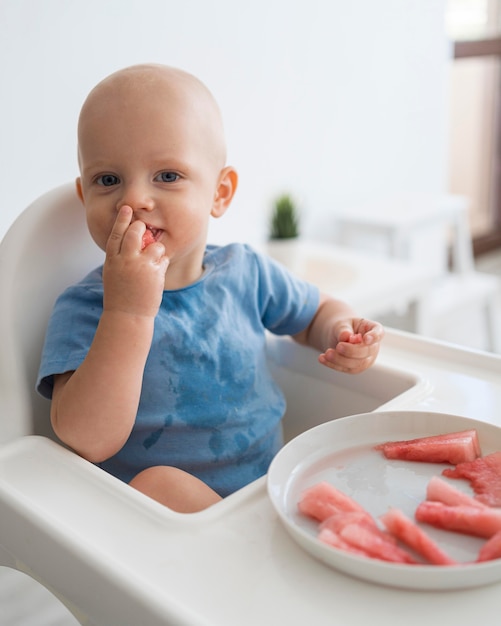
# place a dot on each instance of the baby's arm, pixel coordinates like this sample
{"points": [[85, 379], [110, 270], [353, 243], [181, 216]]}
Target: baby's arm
{"points": [[347, 343], [94, 408]]}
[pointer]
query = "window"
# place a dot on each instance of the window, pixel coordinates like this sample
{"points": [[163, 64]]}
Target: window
{"points": [[474, 26]]}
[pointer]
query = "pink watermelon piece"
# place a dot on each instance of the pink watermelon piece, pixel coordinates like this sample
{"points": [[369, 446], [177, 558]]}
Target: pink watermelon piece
{"points": [[368, 544], [484, 475], [339, 520], [470, 520], [323, 500], [406, 531], [491, 549], [451, 448], [331, 538], [355, 338], [375, 543], [148, 239], [441, 491]]}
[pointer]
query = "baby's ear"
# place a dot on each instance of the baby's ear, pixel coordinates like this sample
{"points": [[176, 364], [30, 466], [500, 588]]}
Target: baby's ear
{"points": [[78, 187], [227, 185]]}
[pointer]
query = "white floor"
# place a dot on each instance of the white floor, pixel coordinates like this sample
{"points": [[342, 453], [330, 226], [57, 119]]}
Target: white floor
{"points": [[490, 263], [24, 602]]}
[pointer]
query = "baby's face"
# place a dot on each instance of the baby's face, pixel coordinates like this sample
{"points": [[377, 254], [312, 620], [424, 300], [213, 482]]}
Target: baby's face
{"points": [[158, 154]]}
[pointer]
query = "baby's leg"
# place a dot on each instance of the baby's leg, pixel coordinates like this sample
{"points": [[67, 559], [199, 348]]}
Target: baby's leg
{"points": [[175, 488]]}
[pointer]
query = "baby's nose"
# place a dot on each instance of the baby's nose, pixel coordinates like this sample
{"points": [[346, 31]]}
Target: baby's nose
{"points": [[138, 197]]}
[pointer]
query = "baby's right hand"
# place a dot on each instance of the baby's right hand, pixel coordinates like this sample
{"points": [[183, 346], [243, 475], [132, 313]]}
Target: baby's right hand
{"points": [[133, 275]]}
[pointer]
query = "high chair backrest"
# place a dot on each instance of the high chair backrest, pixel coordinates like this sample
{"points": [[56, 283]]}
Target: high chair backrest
{"points": [[46, 249]]}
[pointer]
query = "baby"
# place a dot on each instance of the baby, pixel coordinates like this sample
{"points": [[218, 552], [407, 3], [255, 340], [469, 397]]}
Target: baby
{"points": [[155, 362]]}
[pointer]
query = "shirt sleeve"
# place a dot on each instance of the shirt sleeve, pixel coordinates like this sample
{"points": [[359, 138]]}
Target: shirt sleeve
{"points": [[287, 303], [70, 332]]}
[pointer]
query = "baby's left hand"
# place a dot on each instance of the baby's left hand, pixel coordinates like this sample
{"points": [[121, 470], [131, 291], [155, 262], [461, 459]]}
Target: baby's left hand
{"points": [[354, 345]]}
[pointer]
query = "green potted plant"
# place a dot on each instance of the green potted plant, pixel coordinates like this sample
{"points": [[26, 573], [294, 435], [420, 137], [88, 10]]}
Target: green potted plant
{"points": [[284, 219], [284, 232]]}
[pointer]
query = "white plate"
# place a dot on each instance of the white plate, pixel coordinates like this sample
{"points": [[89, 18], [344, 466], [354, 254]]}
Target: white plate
{"points": [[341, 452]]}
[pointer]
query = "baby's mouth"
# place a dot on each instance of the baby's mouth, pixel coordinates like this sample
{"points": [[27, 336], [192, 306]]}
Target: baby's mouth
{"points": [[151, 235]]}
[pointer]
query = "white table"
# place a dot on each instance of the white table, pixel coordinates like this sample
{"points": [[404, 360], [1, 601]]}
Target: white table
{"points": [[432, 231], [373, 285], [235, 563]]}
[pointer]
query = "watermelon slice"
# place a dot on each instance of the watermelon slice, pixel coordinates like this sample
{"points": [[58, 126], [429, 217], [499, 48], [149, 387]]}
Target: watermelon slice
{"points": [[441, 491], [470, 520], [451, 448], [406, 531], [339, 520], [484, 475], [356, 338], [361, 536], [491, 549], [329, 537], [323, 500], [148, 238]]}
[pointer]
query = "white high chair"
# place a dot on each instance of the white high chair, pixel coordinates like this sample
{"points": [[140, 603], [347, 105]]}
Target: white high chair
{"points": [[47, 249], [110, 554], [430, 231]]}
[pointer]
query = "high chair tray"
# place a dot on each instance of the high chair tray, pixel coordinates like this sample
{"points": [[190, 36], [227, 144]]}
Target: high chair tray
{"points": [[116, 557]]}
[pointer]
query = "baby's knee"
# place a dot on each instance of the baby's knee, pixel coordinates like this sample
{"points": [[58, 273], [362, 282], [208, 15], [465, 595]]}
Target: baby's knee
{"points": [[175, 488], [164, 475]]}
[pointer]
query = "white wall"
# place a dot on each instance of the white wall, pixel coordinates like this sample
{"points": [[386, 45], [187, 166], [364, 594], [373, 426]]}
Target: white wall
{"points": [[335, 101]]}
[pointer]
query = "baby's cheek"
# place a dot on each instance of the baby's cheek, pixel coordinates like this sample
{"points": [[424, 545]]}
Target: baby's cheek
{"points": [[100, 237]]}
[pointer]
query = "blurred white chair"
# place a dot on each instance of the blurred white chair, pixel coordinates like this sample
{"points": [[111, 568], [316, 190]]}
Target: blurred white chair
{"points": [[431, 231]]}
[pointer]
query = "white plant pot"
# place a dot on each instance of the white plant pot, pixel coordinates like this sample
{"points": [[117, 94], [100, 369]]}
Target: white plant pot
{"points": [[287, 252]]}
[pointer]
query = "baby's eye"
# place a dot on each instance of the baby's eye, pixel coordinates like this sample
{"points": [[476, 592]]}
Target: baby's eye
{"points": [[167, 177], [107, 180]]}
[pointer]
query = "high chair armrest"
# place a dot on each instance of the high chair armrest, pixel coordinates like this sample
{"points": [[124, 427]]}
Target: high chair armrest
{"points": [[74, 528]]}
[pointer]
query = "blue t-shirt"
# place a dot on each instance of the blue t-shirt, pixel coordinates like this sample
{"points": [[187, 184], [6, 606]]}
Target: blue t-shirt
{"points": [[208, 402]]}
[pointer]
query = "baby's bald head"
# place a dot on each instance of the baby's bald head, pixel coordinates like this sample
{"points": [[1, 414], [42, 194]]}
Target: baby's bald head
{"points": [[137, 91]]}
